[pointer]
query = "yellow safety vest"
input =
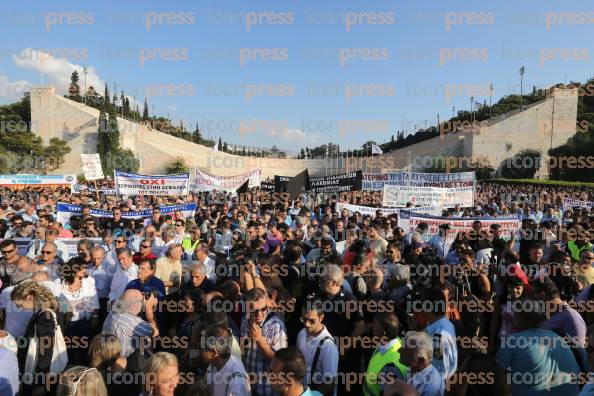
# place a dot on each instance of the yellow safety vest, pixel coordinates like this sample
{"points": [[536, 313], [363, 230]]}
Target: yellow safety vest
{"points": [[187, 244], [576, 251], [377, 364]]}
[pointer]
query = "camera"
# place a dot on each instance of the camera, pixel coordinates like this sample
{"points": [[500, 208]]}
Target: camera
{"points": [[147, 294]]}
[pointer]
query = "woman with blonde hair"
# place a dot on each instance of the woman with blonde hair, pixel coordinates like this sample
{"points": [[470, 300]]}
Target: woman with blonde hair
{"points": [[81, 381], [161, 375], [44, 330]]}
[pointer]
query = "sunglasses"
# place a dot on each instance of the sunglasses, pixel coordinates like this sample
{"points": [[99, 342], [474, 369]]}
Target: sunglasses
{"points": [[144, 246], [261, 310], [7, 251], [46, 252], [121, 241]]}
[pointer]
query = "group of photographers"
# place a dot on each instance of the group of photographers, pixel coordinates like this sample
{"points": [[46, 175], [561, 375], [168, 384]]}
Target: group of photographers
{"points": [[292, 298]]}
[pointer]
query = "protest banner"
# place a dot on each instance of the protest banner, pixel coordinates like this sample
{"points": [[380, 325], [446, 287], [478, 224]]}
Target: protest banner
{"points": [[409, 222], [37, 180], [267, 186], [133, 184], [369, 210], [569, 203], [204, 181], [91, 166], [78, 188], [281, 183], [444, 198], [376, 181], [65, 211], [351, 181]]}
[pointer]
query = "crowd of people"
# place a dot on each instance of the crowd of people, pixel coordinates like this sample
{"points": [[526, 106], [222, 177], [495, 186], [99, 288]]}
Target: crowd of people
{"points": [[261, 294]]}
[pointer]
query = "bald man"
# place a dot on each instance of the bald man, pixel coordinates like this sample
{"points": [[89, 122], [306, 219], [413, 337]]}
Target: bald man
{"points": [[133, 332]]}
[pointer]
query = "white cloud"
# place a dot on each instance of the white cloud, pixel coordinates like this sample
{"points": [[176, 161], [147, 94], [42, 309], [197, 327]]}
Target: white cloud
{"points": [[14, 89], [56, 71]]}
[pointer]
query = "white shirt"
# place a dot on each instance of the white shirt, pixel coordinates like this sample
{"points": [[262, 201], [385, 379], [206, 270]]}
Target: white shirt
{"points": [[81, 303], [35, 248], [17, 319], [9, 373], [327, 366], [483, 256], [209, 263], [120, 280], [103, 276], [230, 380]]}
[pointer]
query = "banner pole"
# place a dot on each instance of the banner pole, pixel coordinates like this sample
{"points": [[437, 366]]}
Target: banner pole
{"points": [[97, 191]]}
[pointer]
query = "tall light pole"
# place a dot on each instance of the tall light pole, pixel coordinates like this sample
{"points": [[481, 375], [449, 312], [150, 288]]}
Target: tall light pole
{"points": [[85, 73], [522, 71], [490, 98]]}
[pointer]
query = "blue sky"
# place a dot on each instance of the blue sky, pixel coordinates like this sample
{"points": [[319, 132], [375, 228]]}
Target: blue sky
{"points": [[403, 62]]}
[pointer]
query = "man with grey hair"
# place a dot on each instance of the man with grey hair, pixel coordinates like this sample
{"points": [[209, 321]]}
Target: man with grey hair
{"points": [[198, 278], [49, 260], [37, 243], [399, 287], [168, 235], [225, 372], [417, 353]]}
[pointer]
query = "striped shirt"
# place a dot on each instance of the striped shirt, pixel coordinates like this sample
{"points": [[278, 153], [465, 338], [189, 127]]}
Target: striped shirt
{"points": [[128, 328], [254, 360]]}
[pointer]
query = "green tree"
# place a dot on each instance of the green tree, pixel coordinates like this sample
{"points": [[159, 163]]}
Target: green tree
{"points": [[220, 146], [54, 154], [74, 88], [106, 100], [523, 165], [145, 113], [178, 165]]}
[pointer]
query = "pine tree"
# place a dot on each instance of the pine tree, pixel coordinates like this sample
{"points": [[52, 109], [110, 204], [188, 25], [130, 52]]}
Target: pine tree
{"points": [[225, 147], [145, 113], [74, 89], [106, 102], [220, 146]]}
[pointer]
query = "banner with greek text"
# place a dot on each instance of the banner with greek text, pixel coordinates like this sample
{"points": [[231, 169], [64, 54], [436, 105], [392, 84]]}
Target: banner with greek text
{"points": [[133, 184], [65, 211], [399, 196], [204, 181], [371, 211], [91, 166], [351, 181], [409, 222], [569, 203], [78, 188], [37, 180], [376, 181]]}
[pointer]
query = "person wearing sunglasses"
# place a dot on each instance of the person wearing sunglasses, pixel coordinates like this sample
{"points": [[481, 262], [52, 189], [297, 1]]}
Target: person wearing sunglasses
{"points": [[267, 333], [9, 261], [49, 261], [318, 348], [79, 300], [144, 253]]}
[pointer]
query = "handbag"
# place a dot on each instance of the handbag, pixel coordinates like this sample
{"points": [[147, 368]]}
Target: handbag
{"points": [[59, 353]]}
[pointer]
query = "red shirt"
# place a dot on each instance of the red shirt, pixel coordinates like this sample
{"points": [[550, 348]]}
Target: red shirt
{"points": [[137, 257]]}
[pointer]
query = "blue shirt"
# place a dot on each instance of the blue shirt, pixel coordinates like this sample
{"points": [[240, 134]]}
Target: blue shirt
{"points": [[153, 284], [428, 382], [445, 352], [538, 362]]}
